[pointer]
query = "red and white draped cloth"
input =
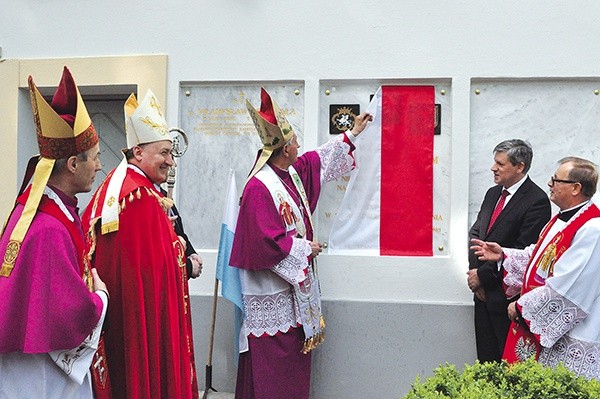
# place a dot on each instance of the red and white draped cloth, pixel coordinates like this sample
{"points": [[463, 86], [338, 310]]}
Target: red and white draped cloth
{"points": [[388, 205], [559, 290], [272, 337]]}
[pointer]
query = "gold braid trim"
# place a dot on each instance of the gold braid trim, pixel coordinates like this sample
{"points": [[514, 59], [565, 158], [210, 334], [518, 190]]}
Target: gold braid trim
{"points": [[38, 184], [316, 340], [165, 203], [91, 237], [91, 233], [87, 256], [87, 276], [110, 227]]}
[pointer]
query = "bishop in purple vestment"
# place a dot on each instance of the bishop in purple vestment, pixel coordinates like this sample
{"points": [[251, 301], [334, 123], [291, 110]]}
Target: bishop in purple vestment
{"points": [[52, 305], [274, 249]]}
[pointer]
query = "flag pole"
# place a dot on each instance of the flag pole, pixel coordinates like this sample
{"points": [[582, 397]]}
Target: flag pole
{"points": [[230, 284], [208, 370]]}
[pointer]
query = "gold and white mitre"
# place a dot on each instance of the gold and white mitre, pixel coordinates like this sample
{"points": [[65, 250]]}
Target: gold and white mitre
{"points": [[144, 123]]}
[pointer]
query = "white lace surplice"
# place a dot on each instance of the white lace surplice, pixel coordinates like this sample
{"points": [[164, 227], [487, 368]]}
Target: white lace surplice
{"points": [[565, 313], [515, 265], [335, 158], [267, 295]]}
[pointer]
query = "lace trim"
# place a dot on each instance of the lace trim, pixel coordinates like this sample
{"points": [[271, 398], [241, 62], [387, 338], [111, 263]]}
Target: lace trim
{"points": [[270, 314], [54, 197], [550, 315], [515, 266], [581, 357], [335, 159], [291, 268]]}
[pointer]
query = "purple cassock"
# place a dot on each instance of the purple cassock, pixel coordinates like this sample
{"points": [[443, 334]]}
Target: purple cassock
{"points": [[45, 304], [49, 319], [274, 256]]}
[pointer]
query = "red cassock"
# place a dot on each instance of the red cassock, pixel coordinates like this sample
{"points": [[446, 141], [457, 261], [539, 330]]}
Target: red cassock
{"points": [[148, 335]]}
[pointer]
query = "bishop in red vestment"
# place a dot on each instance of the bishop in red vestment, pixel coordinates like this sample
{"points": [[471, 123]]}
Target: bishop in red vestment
{"points": [[132, 242]]}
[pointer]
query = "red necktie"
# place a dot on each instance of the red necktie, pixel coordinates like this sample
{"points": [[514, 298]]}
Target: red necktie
{"points": [[498, 208]]}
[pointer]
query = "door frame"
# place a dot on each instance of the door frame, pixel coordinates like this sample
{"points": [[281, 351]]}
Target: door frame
{"points": [[101, 73]]}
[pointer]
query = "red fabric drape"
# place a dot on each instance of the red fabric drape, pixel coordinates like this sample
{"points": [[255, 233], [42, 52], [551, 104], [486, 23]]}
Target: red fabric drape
{"points": [[406, 222]]}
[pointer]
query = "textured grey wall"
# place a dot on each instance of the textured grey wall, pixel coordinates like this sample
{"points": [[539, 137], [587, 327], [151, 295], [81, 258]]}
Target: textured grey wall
{"points": [[372, 349]]}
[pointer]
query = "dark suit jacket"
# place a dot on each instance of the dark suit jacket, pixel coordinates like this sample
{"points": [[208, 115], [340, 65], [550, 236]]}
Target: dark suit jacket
{"points": [[178, 225], [518, 225]]}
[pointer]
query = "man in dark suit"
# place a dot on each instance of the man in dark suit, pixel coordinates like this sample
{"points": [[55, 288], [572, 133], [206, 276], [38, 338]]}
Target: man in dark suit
{"points": [[193, 264], [512, 214], [193, 260]]}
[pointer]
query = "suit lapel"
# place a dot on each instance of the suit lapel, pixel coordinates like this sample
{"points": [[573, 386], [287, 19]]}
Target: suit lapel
{"points": [[513, 203]]}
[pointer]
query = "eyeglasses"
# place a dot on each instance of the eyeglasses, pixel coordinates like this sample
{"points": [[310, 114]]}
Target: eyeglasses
{"points": [[554, 180]]}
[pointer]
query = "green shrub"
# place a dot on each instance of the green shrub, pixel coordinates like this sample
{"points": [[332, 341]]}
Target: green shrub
{"points": [[529, 380]]}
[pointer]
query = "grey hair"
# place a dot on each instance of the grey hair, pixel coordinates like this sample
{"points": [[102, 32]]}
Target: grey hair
{"points": [[584, 172], [277, 151], [517, 151], [60, 164]]}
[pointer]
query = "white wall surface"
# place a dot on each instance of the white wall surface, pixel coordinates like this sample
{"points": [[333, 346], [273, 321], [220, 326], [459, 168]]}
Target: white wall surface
{"points": [[313, 40], [317, 40]]}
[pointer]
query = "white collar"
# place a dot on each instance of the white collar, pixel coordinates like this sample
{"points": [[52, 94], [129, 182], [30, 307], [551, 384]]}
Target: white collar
{"points": [[513, 189], [54, 197]]}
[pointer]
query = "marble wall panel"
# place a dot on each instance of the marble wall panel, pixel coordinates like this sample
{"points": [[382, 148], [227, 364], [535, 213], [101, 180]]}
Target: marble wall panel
{"points": [[222, 136], [559, 117]]}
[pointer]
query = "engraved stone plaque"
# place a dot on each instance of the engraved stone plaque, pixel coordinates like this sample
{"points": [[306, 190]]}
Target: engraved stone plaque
{"points": [[222, 136]]}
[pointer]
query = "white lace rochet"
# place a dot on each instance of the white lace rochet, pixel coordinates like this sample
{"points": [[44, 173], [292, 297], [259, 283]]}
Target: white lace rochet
{"points": [[550, 314], [273, 312]]}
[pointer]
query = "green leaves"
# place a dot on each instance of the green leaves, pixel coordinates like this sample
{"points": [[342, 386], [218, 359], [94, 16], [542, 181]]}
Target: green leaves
{"points": [[527, 380]]}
